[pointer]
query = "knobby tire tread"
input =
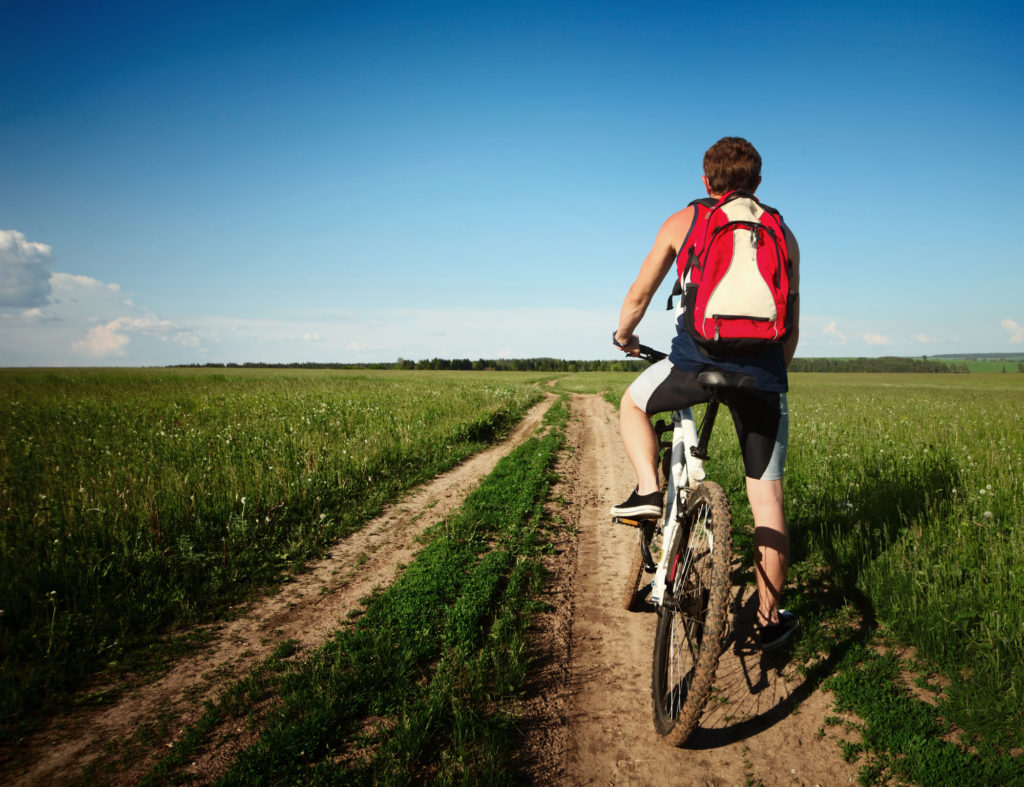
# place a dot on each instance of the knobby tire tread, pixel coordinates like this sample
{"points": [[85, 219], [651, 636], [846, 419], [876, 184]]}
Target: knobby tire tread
{"points": [[676, 731], [636, 570]]}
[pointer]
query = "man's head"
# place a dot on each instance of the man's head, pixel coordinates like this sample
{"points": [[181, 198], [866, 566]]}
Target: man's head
{"points": [[732, 163]]}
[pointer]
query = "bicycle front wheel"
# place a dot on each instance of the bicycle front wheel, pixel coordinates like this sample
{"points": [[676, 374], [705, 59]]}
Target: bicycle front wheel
{"points": [[693, 619]]}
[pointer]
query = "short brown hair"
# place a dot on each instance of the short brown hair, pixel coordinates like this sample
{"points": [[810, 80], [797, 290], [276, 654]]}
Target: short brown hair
{"points": [[732, 163]]}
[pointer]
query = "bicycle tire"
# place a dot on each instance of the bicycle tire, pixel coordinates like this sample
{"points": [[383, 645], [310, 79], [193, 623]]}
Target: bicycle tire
{"points": [[636, 570], [693, 621]]}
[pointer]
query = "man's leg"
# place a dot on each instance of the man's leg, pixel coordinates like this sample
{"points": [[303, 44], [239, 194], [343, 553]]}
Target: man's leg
{"points": [[771, 545], [762, 424], [661, 387], [641, 444]]}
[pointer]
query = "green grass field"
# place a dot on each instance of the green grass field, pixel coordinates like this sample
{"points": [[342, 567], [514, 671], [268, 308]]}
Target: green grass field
{"points": [[137, 501], [913, 492]]}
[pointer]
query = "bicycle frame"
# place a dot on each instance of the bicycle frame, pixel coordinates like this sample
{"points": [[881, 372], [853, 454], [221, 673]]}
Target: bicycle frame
{"points": [[687, 453], [686, 471]]}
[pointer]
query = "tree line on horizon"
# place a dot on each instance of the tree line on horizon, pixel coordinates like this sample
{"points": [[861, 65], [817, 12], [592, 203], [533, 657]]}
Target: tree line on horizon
{"points": [[886, 364]]}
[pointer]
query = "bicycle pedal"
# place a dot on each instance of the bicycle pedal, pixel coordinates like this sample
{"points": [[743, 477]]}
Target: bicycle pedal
{"points": [[621, 520]]}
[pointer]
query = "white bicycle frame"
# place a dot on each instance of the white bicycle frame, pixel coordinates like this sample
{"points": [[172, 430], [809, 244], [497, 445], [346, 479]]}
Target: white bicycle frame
{"points": [[686, 472]]}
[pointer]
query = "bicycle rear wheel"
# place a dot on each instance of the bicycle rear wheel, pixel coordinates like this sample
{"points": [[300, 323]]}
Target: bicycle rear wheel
{"points": [[693, 619], [649, 539]]}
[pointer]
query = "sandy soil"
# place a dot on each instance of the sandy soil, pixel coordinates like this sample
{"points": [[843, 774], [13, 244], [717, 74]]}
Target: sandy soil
{"points": [[761, 724], [587, 715]]}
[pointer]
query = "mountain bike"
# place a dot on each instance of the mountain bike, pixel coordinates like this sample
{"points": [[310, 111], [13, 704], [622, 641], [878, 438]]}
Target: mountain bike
{"points": [[688, 551]]}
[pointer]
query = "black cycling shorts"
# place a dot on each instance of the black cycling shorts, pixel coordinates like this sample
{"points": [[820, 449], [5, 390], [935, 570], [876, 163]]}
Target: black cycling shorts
{"points": [[761, 418]]}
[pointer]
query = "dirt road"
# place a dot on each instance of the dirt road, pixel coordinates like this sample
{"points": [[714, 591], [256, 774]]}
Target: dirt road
{"points": [[588, 713], [759, 726]]}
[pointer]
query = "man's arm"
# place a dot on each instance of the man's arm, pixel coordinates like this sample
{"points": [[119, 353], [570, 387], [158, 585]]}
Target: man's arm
{"points": [[657, 263], [789, 346]]}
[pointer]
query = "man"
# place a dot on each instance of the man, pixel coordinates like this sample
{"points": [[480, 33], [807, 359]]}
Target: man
{"points": [[760, 417]]}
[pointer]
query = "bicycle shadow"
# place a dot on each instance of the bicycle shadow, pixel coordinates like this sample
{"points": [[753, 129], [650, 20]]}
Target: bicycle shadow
{"points": [[754, 690]]}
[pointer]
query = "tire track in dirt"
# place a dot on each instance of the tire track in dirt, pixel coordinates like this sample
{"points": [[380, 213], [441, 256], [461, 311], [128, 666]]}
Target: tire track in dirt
{"points": [[307, 609], [759, 726]]}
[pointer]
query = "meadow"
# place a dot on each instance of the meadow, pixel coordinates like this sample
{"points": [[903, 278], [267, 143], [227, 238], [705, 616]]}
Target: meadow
{"points": [[137, 502], [912, 492]]}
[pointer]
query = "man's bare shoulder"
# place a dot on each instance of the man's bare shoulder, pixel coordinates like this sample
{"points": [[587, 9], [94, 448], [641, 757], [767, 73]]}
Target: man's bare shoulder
{"points": [[682, 218], [673, 231]]}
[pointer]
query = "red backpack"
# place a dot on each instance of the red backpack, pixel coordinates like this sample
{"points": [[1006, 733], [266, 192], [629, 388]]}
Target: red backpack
{"points": [[734, 268]]}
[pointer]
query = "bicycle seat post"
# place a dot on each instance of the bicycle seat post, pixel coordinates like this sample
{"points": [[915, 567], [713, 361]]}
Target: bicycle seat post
{"points": [[700, 451], [715, 381]]}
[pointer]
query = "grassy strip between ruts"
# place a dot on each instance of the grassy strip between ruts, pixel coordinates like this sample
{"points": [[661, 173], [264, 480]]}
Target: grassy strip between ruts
{"points": [[421, 686]]}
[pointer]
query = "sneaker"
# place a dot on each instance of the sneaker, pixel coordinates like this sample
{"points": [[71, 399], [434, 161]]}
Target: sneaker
{"points": [[775, 635], [642, 506]]}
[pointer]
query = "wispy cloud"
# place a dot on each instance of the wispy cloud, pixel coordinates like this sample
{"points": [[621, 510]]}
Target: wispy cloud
{"points": [[1015, 329], [110, 339], [833, 330], [876, 339]]}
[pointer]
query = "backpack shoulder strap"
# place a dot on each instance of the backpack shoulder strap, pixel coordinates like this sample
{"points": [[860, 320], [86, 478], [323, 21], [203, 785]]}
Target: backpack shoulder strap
{"points": [[707, 204], [686, 246], [773, 211]]}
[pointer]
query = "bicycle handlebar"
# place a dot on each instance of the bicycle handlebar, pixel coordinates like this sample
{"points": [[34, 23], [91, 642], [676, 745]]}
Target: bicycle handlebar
{"points": [[651, 355]]}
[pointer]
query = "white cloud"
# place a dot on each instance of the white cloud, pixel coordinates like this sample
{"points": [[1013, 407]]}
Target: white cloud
{"points": [[82, 319], [35, 314], [833, 330], [450, 332], [24, 271], [102, 341], [311, 337], [186, 339], [110, 339], [70, 281], [876, 338], [921, 338], [1015, 329], [77, 297]]}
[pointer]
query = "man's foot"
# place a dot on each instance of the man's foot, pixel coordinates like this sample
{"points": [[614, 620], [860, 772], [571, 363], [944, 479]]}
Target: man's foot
{"points": [[640, 506], [775, 635]]}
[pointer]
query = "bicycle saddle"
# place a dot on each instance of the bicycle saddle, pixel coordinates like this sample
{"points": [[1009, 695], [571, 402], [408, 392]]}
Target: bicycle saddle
{"points": [[714, 379]]}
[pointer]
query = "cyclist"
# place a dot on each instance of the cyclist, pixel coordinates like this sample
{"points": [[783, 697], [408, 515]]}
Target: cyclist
{"points": [[760, 417]]}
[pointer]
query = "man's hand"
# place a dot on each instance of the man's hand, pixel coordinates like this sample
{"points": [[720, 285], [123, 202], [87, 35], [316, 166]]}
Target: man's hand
{"points": [[631, 346]]}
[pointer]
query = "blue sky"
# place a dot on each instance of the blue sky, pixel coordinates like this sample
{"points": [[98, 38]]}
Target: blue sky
{"points": [[286, 181]]}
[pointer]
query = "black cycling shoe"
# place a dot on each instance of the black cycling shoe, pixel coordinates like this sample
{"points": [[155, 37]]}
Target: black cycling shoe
{"points": [[775, 635], [640, 506]]}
